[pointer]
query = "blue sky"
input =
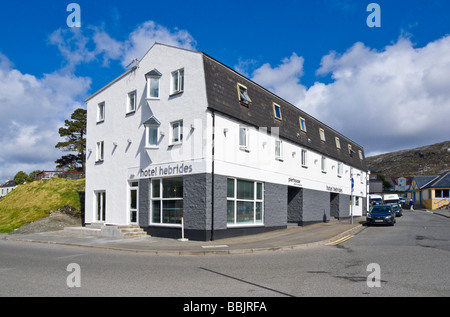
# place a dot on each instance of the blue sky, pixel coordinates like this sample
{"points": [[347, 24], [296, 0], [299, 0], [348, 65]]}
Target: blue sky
{"points": [[384, 87]]}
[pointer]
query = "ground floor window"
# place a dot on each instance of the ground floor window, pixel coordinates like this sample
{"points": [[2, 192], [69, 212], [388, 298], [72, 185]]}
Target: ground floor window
{"points": [[441, 193], [167, 200], [100, 205], [133, 201], [245, 205]]}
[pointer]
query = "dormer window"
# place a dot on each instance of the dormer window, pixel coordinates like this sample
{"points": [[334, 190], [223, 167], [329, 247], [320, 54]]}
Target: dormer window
{"points": [[302, 124], [322, 134], [338, 143], [277, 111], [153, 78], [244, 99]]}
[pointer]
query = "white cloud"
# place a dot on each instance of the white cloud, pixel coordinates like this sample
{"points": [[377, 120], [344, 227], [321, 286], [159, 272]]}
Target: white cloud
{"points": [[88, 44], [141, 39], [31, 112], [385, 100], [284, 79]]}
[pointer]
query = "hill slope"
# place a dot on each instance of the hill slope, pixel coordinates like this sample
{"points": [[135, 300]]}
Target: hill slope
{"points": [[33, 201], [426, 160]]}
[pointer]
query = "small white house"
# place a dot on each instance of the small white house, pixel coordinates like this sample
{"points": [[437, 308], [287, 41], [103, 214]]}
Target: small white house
{"points": [[180, 135], [7, 187]]}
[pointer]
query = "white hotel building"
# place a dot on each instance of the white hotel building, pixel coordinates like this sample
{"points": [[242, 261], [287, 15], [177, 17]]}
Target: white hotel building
{"points": [[182, 135]]}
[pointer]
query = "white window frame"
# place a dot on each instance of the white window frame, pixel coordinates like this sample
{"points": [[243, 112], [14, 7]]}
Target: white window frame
{"points": [[149, 89], [100, 155], [340, 169], [279, 155], [100, 205], [179, 132], [101, 112], [304, 158], [161, 199], [323, 164], [133, 186], [244, 147], [147, 136], [131, 106], [255, 201], [178, 87]]}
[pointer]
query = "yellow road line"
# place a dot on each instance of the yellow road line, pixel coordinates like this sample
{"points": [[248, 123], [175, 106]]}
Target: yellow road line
{"points": [[343, 239]]}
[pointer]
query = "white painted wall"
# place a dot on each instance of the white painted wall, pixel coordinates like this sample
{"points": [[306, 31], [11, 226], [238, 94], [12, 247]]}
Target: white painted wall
{"points": [[126, 160], [129, 157]]}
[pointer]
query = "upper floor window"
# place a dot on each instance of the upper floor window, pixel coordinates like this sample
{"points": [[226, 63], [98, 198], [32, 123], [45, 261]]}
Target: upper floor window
{"points": [[338, 143], [100, 151], [152, 78], [279, 150], [340, 169], [131, 102], [323, 164], [101, 112], [177, 82], [360, 155], [322, 134], [277, 111], [152, 132], [304, 158], [176, 132], [243, 95], [243, 138], [302, 124]]}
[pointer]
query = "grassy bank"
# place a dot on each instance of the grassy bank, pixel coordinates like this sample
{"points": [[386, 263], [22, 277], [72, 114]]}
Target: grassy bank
{"points": [[33, 201]]}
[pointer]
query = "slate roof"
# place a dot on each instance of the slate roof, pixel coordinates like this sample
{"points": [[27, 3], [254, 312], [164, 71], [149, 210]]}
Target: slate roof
{"points": [[222, 94], [441, 181]]}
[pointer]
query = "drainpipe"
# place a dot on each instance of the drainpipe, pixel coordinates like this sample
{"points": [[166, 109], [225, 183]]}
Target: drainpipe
{"points": [[212, 176]]}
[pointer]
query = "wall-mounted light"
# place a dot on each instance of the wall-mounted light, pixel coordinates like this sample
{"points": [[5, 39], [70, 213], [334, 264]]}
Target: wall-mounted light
{"points": [[225, 131], [129, 141]]}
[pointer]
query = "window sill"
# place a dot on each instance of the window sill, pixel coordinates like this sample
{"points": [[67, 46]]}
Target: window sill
{"points": [[175, 93], [151, 147], [244, 225], [99, 162], [244, 148]]}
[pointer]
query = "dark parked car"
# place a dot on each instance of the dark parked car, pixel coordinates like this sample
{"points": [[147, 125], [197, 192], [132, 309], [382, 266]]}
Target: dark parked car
{"points": [[397, 210], [381, 214]]}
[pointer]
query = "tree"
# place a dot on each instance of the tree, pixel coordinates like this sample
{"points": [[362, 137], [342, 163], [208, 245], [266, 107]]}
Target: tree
{"points": [[74, 132], [21, 178]]}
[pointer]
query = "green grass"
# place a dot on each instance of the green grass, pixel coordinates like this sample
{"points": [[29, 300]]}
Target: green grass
{"points": [[33, 201]]}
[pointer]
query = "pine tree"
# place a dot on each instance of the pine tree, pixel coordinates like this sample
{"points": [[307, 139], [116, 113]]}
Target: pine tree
{"points": [[74, 132]]}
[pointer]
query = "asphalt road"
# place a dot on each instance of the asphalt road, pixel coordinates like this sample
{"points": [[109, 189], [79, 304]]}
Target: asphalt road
{"points": [[410, 259]]}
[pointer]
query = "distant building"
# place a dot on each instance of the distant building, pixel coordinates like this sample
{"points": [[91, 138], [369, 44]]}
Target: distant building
{"points": [[432, 192], [7, 187]]}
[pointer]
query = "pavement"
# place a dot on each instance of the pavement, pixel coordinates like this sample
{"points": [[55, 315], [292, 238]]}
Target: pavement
{"points": [[294, 237], [291, 238]]}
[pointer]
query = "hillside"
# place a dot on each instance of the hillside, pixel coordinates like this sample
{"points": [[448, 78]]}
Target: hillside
{"points": [[426, 160], [30, 202]]}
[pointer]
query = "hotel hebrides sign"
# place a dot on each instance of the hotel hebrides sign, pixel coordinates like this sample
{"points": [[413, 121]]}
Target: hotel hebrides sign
{"points": [[166, 170]]}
